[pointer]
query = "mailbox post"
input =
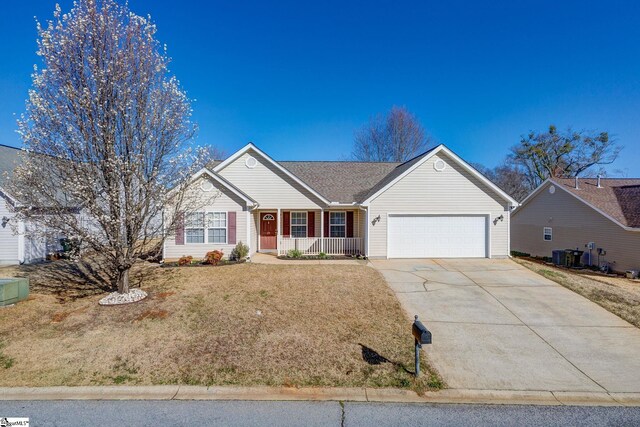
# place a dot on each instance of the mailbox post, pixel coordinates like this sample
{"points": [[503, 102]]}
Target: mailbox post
{"points": [[422, 336]]}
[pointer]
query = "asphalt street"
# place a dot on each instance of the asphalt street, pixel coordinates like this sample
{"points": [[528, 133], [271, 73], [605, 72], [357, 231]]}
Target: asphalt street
{"points": [[244, 413]]}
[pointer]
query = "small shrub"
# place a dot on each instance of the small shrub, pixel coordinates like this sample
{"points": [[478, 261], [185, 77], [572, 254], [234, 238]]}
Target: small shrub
{"points": [[185, 260], [240, 252], [323, 255], [520, 254], [294, 253], [70, 248], [213, 257]]}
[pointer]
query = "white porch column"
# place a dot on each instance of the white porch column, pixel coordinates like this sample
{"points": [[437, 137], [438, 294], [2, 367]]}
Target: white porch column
{"points": [[322, 230], [278, 233]]}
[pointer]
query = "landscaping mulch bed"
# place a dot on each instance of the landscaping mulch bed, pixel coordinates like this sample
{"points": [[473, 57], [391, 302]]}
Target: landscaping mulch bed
{"points": [[245, 324], [221, 263]]}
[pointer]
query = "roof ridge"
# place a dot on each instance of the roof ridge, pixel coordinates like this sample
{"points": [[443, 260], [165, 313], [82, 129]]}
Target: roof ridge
{"points": [[336, 161]]}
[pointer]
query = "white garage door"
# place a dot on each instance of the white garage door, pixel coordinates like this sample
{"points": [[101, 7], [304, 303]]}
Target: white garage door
{"points": [[437, 236]]}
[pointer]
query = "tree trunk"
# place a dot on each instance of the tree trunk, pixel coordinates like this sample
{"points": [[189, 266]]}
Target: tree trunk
{"points": [[123, 281]]}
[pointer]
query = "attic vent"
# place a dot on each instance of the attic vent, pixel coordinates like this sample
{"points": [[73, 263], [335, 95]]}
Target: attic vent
{"points": [[206, 185], [599, 186], [251, 162], [439, 165]]}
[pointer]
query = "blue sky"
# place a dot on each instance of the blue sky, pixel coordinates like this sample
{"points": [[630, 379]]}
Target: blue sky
{"points": [[297, 78]]}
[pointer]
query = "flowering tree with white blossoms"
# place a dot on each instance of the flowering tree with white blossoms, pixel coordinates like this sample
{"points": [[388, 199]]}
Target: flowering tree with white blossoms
{"points": [[107, 132]]}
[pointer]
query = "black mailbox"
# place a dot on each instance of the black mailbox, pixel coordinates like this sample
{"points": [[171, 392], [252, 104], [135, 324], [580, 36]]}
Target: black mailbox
{"points": [[421, 333]]}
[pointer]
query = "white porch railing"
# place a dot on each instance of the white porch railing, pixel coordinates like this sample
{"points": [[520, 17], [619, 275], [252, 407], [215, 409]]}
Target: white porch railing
{"points": [[328, 245]]}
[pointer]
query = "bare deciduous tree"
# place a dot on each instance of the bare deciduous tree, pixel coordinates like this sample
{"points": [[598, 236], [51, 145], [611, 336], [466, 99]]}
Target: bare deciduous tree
{"points": [[396, 137], [509, 179], [554, 154], [108, 132]]}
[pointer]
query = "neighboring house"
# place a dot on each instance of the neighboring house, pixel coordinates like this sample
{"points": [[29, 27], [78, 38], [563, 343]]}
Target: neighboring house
{"points": [[433, 206], [18, 243], [562, 215]]}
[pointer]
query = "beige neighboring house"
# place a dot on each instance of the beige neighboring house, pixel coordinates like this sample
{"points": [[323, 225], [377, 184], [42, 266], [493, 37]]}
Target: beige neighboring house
{"points": [[562, 215], [433, 206]]}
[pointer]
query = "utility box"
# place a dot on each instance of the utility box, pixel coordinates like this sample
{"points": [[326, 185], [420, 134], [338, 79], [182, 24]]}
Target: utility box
{"points": [[13, 290], [632, 274]]}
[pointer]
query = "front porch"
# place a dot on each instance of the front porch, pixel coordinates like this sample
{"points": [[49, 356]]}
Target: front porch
{"points": [[317, 245], [312, 232]]}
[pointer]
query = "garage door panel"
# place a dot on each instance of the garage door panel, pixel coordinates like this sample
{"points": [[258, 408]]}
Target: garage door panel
{"points": [[437, 236]]}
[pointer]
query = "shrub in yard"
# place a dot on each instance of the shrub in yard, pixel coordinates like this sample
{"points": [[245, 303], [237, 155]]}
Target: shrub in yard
{"points": [[322, 255], [70, 248], [185, 260], [240, 252], [213, 257], [520, 254], [294, 253]]}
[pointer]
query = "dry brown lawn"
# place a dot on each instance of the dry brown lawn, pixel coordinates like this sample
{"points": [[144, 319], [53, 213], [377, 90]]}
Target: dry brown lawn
{"points": [[619, 295], [243, 324]]}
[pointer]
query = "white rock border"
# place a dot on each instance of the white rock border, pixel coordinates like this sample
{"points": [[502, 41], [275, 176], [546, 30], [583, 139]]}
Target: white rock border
{"points": [[115, 298]]}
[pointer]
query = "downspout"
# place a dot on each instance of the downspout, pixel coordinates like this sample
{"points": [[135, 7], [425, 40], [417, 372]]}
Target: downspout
{"points": [[366, 229]]}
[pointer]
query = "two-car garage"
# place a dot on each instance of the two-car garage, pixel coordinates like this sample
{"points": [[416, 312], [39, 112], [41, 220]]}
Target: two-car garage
{"points": [[437, 236]]}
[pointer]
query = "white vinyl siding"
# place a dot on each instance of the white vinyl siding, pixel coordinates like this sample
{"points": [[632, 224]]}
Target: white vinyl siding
{"points": [[220, 200], [8, 237], [267, 185], [453, 191]]}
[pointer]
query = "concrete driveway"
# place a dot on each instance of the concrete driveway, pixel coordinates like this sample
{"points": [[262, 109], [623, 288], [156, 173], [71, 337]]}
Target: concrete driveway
{"points": [[497, 325]]}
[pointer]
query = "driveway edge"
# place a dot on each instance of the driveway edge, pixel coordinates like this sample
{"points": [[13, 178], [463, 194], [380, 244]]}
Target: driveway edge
{"points": [[264, 393]]}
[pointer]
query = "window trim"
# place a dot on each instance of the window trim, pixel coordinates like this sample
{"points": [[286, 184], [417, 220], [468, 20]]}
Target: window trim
{"points": [[203, 228], [545, 234], [343, 225], [306, 224], [206, 228], [225, 228]]}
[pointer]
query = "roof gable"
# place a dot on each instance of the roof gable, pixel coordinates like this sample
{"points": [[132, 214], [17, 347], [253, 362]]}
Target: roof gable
{"points": [[251, 146], [406, 168], [616, 199], [235, 190]]}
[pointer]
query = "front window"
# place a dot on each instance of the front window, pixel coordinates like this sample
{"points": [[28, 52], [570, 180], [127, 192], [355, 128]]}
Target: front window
{"points": [[547, 234], [194, 227], [337, 224], [298, 224], [217, 227]]}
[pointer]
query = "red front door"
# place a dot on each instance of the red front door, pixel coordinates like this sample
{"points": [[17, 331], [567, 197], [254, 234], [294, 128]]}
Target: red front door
{"points": [[268, 230]]}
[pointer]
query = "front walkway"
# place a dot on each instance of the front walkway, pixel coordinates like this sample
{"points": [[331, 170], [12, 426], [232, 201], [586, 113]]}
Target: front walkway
{"points": [[268, 258], [497, 325]]}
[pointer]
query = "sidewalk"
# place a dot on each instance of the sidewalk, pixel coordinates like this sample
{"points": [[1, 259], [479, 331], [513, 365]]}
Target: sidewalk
{"points": [[263, 393]]}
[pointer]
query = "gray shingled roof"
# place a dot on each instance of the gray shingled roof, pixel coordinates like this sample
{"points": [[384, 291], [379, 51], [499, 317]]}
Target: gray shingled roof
{"points": [[9, 159], [619, 197], [344, 182]]}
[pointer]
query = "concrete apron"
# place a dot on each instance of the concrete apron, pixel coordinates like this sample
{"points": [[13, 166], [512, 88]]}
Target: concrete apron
{"points": [[263, 393], [499, 326]]}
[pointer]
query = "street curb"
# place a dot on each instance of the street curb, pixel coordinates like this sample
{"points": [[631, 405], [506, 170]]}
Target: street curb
{"points": [[264, 393]]}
